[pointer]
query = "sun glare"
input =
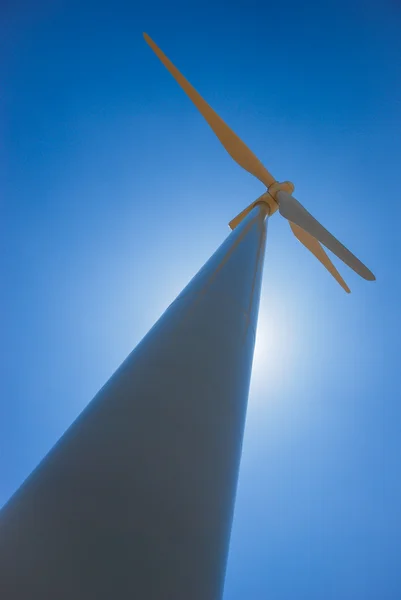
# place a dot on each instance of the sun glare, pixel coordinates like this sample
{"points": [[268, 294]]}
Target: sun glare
{"points": [[274, 347]]}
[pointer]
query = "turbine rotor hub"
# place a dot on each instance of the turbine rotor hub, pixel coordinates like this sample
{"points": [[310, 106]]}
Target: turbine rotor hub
{"points": [[286, 186], [270, 196]]}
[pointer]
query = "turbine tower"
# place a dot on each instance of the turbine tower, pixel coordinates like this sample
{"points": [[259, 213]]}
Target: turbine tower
{"points": [[136, 499]]}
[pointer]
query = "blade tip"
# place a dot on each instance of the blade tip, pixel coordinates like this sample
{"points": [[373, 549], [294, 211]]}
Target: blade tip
{"points": [[368, 275]]}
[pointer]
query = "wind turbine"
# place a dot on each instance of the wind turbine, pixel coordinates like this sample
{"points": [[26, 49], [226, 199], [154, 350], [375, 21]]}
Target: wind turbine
{"points": [[136, 499], [278, 195]]}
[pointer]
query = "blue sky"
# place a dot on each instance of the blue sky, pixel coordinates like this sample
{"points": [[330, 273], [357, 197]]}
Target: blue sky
{"points": [[114, 194]]}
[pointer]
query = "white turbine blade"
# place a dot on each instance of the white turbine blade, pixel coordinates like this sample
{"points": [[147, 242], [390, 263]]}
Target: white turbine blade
{"points": [[293, 210], [314, 246], [231, 142]]}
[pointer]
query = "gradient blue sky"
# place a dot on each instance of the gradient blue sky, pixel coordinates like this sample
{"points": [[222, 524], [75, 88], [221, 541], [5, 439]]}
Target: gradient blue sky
{"points": [[115, 192]]}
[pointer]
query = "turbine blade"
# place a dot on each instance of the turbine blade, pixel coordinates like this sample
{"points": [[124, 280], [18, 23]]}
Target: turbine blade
{"points": [[231, 142], [313, 246], [237, 220], [293, 210]]}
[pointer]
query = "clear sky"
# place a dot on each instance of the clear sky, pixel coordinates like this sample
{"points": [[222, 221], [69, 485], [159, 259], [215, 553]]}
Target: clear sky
{"points": [[115, 192]]}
